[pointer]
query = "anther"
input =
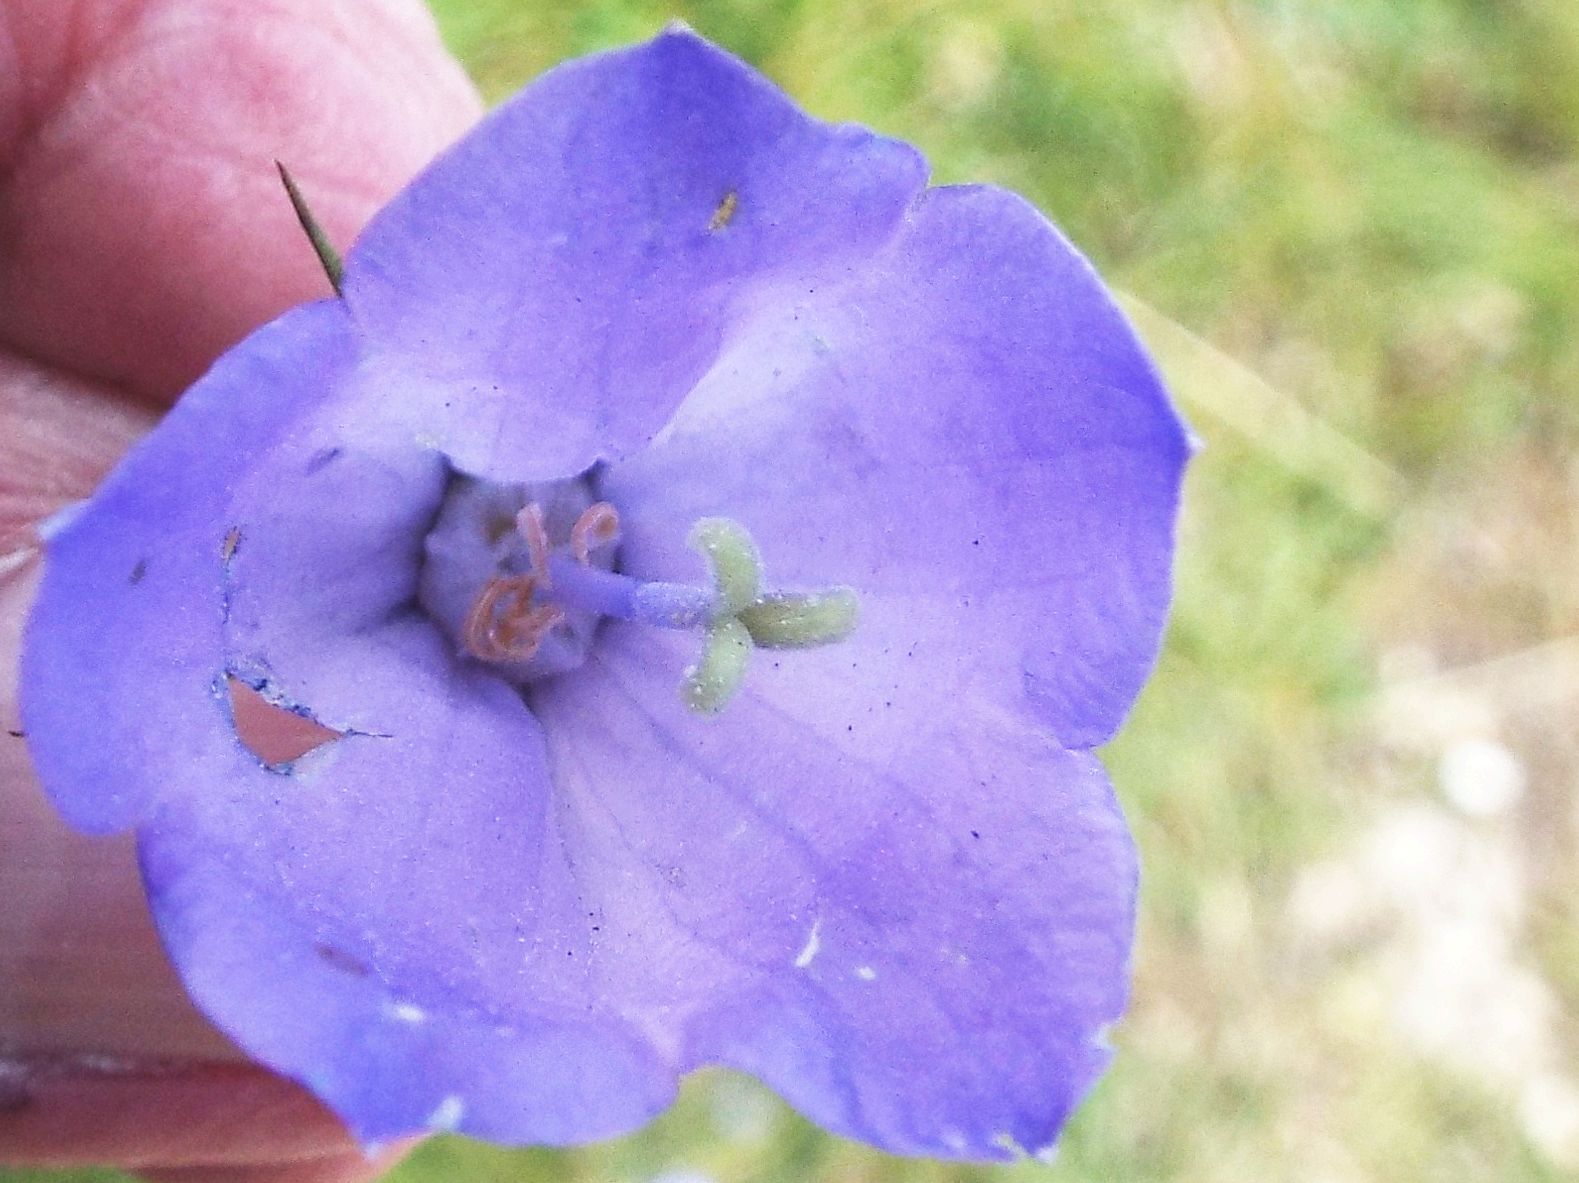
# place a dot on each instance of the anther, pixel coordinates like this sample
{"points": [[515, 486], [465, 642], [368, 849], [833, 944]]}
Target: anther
{"points": [[529, 522]]}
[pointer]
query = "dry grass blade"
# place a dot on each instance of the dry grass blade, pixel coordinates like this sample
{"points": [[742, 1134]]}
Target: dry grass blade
{"points": [[1206, 378]]}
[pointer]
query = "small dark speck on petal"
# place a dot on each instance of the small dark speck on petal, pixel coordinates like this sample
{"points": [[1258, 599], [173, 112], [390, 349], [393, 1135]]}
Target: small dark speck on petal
{"points": [[342, 961], [139, 569], [321, 458], [975, 833], [227, 548], [16, 733]]}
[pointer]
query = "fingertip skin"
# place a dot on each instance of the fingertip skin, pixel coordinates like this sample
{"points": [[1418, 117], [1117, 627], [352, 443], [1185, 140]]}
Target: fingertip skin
{"points": [[142, 232], [62, 1110]]}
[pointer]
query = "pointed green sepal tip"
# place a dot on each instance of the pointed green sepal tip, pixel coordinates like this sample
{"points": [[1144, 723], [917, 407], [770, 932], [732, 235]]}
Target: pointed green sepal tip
{"points": [[790, 620], [732, 555], [713, 680], [328, 257]]}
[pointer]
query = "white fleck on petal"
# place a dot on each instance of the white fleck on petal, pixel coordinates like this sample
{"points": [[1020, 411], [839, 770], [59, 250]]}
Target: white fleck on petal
{"points": [[866, 973], [407, 1012], [1010, 1143], [1102, 1037], [59, 520], [812, 945], [447, 1114]]}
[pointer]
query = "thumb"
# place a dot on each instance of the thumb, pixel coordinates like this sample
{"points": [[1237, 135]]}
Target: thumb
{"points": [[143, 230], [142, 225]]}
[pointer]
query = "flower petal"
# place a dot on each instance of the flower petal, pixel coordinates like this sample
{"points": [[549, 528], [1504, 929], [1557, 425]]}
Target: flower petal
{"points": [[967, 428], [563, 275], [884, 886], [393, 921], [918, 943]]}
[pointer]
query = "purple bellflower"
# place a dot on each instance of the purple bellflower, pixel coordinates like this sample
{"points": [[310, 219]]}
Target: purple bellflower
{"points": [[711, 555]]}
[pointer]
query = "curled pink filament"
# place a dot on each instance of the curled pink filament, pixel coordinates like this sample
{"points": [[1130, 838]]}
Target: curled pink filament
{"points": [[598, 525], [505, 624], [531, 525]]}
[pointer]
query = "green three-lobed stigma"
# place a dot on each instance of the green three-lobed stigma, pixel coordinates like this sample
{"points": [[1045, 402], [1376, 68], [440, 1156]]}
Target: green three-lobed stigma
{"points": [[748, 619]]}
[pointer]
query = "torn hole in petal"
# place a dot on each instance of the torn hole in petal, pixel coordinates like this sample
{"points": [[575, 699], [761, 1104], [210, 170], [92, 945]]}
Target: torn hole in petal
{"points": [[272, 733]]}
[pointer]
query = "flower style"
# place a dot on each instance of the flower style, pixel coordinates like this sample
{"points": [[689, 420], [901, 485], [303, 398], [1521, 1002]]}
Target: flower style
{"points": [[710, 555]]}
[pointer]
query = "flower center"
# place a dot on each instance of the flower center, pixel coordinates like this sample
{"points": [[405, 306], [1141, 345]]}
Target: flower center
{"points": [[521, 576]]}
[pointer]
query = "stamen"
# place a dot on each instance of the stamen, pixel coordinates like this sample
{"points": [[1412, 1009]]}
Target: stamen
{"points": [[517, 617], [714, 679], [732, 555], [504, 624], [530, 524], [598, 526]]}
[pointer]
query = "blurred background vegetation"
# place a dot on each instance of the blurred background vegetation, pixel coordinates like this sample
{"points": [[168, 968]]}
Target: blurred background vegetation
{"points": [[1350, 228]]}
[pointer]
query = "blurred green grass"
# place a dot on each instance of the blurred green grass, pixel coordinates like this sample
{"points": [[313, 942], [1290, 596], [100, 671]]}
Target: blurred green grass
{"points": [[1374, 205]]}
